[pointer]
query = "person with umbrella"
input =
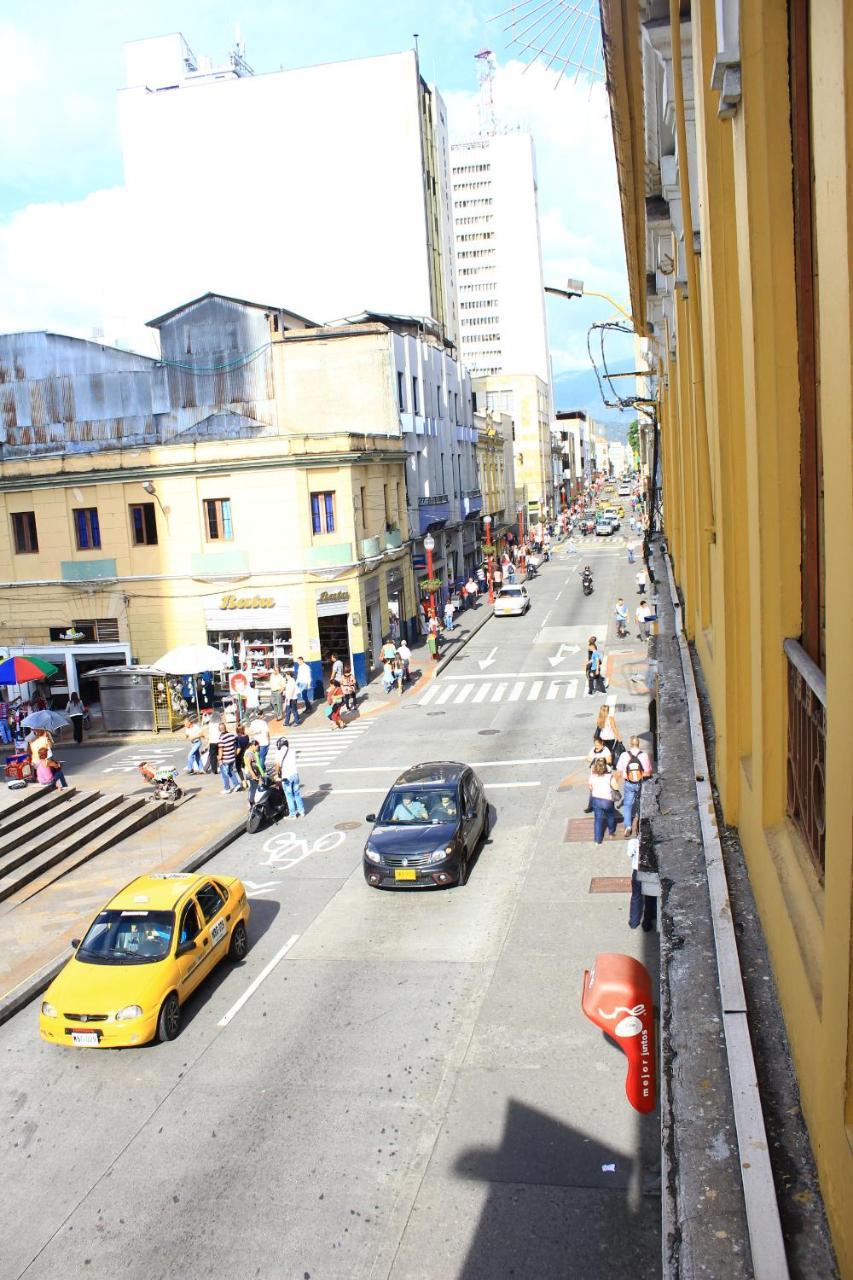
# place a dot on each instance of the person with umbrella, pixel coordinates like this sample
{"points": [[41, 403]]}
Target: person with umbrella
{"points": [[76, 711]]}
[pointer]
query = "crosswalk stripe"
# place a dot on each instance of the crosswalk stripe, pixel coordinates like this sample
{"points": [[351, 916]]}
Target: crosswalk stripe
{"points": [[463, 693], [445, 695], [571, 689], [515, 692], [480, 695], [429, 694], [535, 690], [551, 692], [499, 692]]}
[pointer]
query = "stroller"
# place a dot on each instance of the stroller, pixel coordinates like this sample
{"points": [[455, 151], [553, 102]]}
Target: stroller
{"points": [[163, 778]]}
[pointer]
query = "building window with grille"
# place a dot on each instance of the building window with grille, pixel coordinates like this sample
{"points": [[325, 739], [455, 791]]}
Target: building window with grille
{"points": [[143, 524], [87, 529], [24, 530], [217, 520], [323, 512]]}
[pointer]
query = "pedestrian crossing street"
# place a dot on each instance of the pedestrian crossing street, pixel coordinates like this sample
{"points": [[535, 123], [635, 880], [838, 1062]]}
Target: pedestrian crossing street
{"points": [[323, 745], [459, 692]]}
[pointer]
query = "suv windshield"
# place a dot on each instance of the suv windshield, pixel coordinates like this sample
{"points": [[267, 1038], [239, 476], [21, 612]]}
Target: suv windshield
{"points": [[407, 806], [128, 937]]}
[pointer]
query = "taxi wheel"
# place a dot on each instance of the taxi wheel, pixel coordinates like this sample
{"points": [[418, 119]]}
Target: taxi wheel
{"points": [[169, 1022], [239, 943]]}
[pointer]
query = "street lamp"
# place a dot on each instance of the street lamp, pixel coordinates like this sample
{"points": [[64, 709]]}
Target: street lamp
{"points": [[429, 547], [575, 289], [522, 558], [487, 521]]}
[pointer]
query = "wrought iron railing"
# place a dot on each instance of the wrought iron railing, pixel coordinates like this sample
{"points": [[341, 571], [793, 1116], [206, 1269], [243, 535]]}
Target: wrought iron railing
{"points": [[806, 799], [432, 500]]}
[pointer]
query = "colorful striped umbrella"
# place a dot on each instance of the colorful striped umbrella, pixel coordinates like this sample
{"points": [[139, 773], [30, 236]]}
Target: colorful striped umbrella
{"points": [[21, 669]]}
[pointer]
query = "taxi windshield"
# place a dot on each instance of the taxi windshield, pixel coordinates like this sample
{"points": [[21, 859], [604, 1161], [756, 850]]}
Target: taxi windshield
{"points": [[408, 807], [128, 937]]}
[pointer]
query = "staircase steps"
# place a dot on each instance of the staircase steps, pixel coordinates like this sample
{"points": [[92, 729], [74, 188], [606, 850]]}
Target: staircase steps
{"points": [[39, 822], [28, 803], [72, 840]]}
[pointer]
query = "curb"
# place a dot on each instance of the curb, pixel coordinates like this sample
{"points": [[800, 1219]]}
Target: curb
{"points": [[40, 979], [457, 648]]}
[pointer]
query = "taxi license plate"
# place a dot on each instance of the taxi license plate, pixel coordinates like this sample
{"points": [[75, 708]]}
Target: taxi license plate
{"points": [[402, 874], [84, 1037]]}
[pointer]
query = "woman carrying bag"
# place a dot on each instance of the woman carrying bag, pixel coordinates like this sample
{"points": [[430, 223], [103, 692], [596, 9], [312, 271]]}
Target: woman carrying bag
{"points": [[334, 704]]}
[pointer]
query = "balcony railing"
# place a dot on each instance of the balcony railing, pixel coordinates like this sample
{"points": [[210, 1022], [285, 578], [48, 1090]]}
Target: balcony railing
{"points": [[807, 750], [432, 500]]}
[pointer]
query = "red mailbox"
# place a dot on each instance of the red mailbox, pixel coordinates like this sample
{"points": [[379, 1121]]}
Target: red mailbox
{"points": [[617, 997]]}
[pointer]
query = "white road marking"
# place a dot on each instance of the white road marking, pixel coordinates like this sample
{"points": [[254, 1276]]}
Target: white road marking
{"points": [[475, 764], [487, 662], [557, 596], [535, 690], [445, 695], [463, 693], [571, 689], [252, 988], [507, 675], [429, 694], [481, 692], [515, 692], [499, 692], [551, 692], [512, 784], [286, 848]]}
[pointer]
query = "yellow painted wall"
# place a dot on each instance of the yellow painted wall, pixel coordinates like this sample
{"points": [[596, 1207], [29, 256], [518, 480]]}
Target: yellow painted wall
{"points": [[532, 450], [729, 411]]}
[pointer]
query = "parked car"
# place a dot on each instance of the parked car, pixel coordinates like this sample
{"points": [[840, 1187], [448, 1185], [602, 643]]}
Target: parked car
{"points": [[511, 601], [428, 828]]}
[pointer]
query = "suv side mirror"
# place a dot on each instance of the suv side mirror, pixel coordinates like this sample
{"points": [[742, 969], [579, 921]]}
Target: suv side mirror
{"points": [[370, 817], [185, 947]]}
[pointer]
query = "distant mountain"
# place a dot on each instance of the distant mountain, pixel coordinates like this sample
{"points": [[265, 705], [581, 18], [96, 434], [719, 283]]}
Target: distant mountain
{"points": [[579, 390]]}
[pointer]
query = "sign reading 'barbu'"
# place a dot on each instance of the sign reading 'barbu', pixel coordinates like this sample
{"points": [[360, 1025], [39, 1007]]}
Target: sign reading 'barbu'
{"points": [[332, 597], [246, 602]]}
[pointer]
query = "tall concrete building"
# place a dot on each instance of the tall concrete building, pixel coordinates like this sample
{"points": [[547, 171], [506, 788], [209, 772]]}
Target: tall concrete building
{"points": [[503, 336], [502, 326], [328, 185]]}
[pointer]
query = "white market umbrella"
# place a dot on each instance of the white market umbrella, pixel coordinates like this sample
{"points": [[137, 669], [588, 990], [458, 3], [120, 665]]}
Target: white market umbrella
{"points": [[191, 660], [50, 720]]}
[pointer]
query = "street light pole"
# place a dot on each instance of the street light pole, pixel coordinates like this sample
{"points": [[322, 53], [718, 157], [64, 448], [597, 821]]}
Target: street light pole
{"points": [[487, 521], [429, 547], [580, 291]]}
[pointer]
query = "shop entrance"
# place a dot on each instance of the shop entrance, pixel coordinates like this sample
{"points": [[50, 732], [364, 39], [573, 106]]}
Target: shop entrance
{"points": [[334, 638], [374, 633]]}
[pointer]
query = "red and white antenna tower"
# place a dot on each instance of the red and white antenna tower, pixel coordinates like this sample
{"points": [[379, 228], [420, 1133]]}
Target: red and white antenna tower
{"points": [[486, 101]]}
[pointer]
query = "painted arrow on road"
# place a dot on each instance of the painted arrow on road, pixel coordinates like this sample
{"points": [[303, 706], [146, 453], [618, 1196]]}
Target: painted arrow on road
{"points": [[259, 888], [487, 662], [563, 652]]}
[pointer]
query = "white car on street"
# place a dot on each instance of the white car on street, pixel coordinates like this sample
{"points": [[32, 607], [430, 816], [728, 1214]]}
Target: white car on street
{"points": [[511, 601]]}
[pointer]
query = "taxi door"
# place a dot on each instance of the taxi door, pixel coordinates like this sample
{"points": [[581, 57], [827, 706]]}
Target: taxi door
{"points": [[190, 955], [213, 901]]}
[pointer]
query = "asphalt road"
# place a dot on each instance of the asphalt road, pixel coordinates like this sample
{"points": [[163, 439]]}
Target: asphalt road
{"points": [[410, 1090]]}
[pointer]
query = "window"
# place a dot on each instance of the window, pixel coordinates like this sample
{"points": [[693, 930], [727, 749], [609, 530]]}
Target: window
{"points": [[323, 512], [211, 899], [190, 926], [24, 529], [387, 509], [401, 390], [143, 524], [415, 401], [87, 528], [217, 519], [363, 493]]}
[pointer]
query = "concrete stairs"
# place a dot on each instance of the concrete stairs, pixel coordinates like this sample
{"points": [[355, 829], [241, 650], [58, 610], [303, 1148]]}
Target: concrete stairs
{"points": [[44, 834]]}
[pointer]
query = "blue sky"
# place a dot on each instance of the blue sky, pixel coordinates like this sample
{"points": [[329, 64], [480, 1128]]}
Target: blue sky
{"points": [[63, 62]]}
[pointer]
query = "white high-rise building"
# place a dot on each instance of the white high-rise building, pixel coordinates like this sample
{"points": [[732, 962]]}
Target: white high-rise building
{"points": [[328, 186], [502, 325]]}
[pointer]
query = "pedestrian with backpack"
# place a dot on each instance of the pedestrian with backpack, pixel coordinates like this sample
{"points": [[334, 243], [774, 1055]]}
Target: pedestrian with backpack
{"points": [[633, 766]]}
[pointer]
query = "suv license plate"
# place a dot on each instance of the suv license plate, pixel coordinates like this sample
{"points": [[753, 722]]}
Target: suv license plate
{"points": [[84, 1037], [405, 875]]}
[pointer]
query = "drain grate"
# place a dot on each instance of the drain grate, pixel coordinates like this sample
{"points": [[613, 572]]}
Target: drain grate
{"points": [[577, 830], [487, 733], [436, 713], [346, 826]]}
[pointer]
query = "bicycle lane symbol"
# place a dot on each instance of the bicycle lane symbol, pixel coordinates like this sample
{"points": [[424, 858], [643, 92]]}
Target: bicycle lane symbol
{"points": [[287, 849]]}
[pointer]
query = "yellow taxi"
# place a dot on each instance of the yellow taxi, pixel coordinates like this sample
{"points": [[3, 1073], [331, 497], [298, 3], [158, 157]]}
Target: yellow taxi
{"points": [[142, 955]]}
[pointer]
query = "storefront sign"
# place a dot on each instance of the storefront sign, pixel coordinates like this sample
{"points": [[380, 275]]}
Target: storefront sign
{"points": [[246, 602], [329, 603]]}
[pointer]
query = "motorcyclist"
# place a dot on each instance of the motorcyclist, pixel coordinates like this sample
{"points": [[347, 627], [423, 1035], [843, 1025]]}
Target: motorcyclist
{"points": [[586, 579]]}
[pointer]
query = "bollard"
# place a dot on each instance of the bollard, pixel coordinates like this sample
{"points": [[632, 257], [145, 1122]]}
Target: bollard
{"points": [[617, 997]]}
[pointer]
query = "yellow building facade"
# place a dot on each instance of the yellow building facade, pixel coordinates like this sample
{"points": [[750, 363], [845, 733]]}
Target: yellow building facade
{"points": [[525, 398], [741, 279]]}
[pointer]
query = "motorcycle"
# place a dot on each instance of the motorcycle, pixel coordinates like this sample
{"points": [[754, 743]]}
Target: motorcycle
{"points": [[268, 806], [586, 583], [163, 779]]}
